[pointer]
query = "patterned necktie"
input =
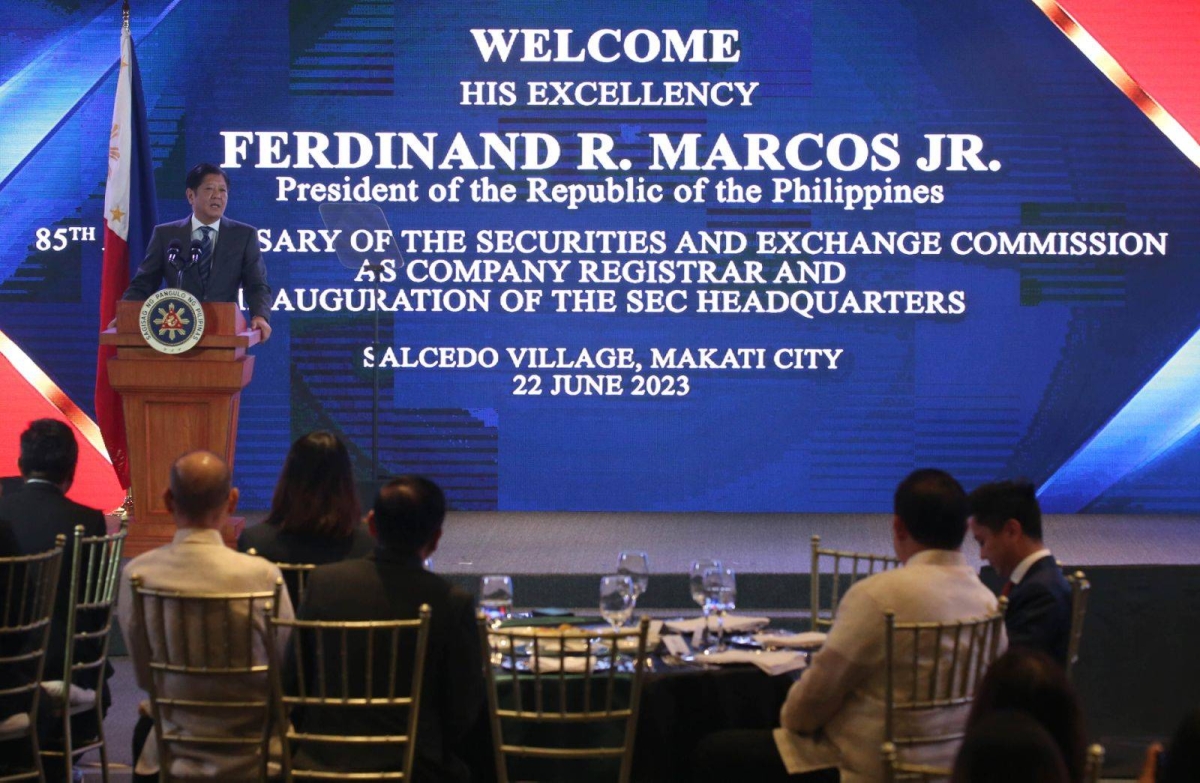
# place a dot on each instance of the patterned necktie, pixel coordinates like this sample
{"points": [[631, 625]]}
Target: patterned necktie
{"points": [[204, 265]]}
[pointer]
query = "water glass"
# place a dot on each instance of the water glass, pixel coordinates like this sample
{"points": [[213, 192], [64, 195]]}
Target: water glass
{"points": [[616, 599], [496, 598], [635, 565], [696, 580], [720, 595]]}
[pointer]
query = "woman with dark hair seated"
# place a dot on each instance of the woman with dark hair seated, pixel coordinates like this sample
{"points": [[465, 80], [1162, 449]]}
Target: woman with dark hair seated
{"points": [[315, 515], [1008, 746], [1032, 682]]}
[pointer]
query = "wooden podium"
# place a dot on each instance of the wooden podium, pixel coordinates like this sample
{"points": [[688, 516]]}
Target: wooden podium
{"points": [[176, 403]]}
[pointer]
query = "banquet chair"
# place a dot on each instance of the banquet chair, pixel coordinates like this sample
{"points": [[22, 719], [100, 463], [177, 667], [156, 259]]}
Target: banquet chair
{"points": [[95, 563], [295, 577], [208, 686], [1094, 764], [932, 670], [350, 684], [544, 692], [27, 587], [847, 568], [1080, 589]]}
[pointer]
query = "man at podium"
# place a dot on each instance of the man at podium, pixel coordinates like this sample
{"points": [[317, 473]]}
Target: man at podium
{"points": [[207, 254]]}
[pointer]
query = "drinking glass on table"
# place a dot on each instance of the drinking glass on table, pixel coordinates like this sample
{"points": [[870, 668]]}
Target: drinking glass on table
{"points": [[720, 595], [696, 583], [496, 598], [616, 599], [635, 565]]}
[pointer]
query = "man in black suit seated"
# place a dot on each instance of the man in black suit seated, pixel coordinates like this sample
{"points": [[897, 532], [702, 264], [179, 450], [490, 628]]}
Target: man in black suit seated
{"points": [[1006, 521], [392, 584], [37, 514]]}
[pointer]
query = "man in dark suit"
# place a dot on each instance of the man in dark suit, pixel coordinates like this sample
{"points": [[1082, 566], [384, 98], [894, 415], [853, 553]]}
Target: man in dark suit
{"points": [[37, 514], [1006, 521], [228, 254], [391, 584]]}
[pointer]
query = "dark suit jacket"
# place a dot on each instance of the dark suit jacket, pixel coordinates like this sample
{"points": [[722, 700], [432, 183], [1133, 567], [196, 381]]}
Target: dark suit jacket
{"points": [[37, 514], [10, 484], [391, 586], [1039, 610], [237, 263], [282, 547]]}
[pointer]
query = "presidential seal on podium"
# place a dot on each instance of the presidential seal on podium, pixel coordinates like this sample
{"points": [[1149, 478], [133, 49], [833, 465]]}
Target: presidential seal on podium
{"points": [[172, 320]]}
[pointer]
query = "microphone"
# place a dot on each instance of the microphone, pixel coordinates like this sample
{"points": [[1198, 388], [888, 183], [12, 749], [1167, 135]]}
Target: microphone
{"points": [[197, 248], [173, 251]]}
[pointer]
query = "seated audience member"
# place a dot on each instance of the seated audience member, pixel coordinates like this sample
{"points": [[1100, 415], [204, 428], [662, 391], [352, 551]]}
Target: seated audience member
{"points": [[1179, 762], [41, 511], [833, 719], [1009, 746], [1031, 682], [35, 516], [200, 498], [315, 516], [1007, 523], [391, 584]]}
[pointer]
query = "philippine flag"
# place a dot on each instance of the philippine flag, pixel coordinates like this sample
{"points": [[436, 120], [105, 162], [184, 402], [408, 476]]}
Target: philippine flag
{"points": [[129, 218]]}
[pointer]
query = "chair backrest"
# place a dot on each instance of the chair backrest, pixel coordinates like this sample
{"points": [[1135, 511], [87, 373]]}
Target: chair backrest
{"points": [[846, 569], [348, 676], [28, 584], [295, 577], [1080, 588], [931, 667], [1094, 764], [208, 659], [576, 677], [95, 565]]}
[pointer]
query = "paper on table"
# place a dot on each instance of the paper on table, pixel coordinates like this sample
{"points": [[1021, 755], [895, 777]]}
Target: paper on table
{"points": [[772, 663], [792, 641], [734, 623], [572, 665]]}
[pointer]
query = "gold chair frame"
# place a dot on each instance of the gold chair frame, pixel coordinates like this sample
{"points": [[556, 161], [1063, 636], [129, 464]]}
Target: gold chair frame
{"points": [[322, 693], [299, 571], [543, 645], [951, 684], [28, 584], [861, 565], [96, 598], [178, 662], [1094, 764], [1080, 589]]}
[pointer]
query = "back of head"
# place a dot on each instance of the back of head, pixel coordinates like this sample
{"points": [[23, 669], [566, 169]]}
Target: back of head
{"points": [[1009, 746], [1031, 682], [48, 451], [933, 508], [200, 489], [994, 504], [315, 494], [408, 512]]}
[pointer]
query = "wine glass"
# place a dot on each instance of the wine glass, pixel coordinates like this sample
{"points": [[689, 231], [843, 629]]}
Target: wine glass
{"points": [[696, 583], [496, 598], [635, 565], [616, 599], [720, 594]]}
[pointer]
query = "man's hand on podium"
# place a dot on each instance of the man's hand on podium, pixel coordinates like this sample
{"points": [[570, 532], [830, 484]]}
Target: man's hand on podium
{"points": [[260, 323]]}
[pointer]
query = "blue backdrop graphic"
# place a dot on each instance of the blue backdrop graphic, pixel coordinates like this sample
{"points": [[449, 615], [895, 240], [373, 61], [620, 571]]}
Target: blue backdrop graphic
{"points": [[1049, 352]]}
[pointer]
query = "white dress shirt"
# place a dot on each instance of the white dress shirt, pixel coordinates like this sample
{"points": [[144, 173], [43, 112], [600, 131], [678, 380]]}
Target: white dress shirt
{"points": [[197, 561], [1023, 567], [834, 714]]}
